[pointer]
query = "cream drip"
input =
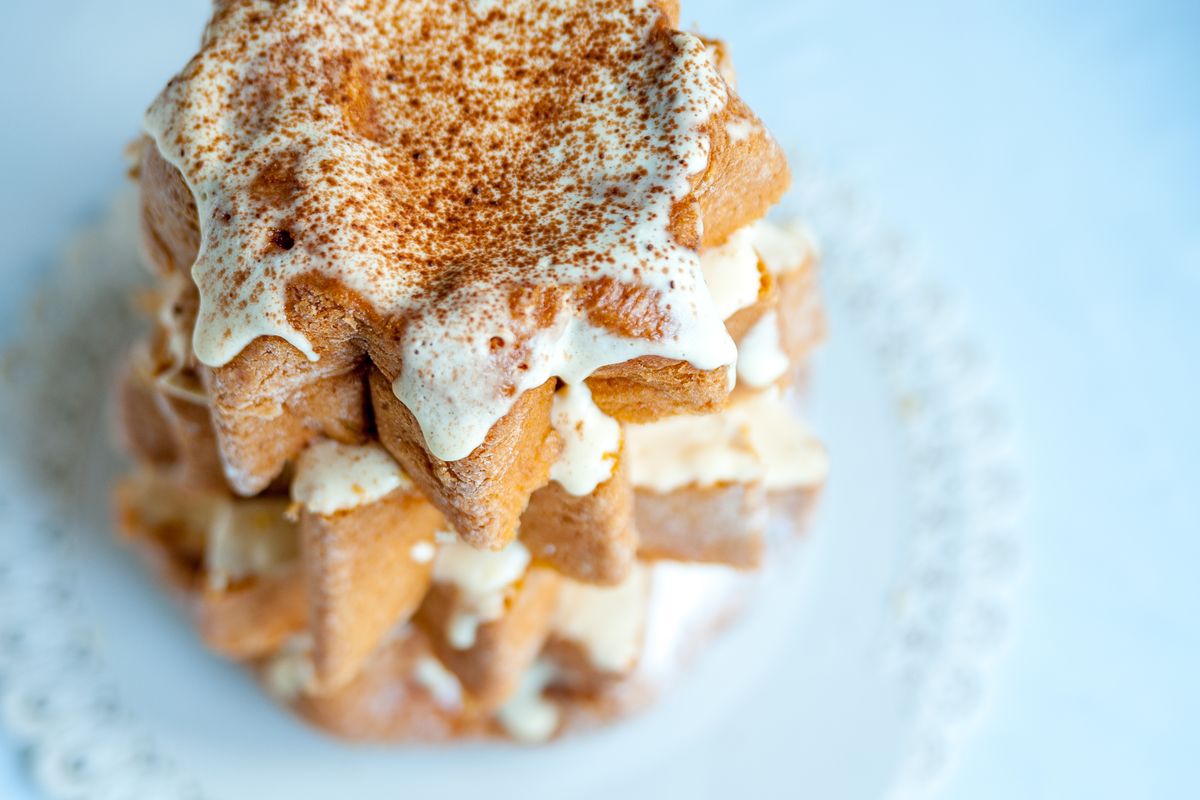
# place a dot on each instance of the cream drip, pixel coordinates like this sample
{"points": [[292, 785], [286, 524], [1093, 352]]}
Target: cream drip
{"points": [[481, 579], [527, 716], [591, 441], [645, 118], [441, 684], [731, 273], [333, 477]]}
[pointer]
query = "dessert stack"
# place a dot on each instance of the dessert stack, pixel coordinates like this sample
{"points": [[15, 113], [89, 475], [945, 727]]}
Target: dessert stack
{"points": [[469, 340]]}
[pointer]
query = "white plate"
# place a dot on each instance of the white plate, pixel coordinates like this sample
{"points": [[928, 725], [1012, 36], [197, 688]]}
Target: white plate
{"points": [[852, 677], [855, 677]]}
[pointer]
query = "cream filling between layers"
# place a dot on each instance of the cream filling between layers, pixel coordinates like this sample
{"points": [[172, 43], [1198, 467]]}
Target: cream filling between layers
{"points": [[682, 606], [246, 538], [759, 439], [333, 477], [591, 441], [761, 357], [527, 716], [791, 455], [690, 450], [607, 621], [481, 579], [731, 273], [290, 673], [784, 246]]}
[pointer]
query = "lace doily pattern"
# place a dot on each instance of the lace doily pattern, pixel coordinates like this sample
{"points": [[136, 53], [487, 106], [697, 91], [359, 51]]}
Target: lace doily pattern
{"points": [[951, 596], [56, 692]]}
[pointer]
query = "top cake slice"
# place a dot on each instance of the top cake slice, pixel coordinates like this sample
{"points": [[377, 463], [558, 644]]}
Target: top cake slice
{"points": [[478, 197]]}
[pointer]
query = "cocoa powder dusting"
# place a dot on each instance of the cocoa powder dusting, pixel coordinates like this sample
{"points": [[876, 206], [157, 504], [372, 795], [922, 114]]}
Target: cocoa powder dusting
{"points": [[475, 172]]}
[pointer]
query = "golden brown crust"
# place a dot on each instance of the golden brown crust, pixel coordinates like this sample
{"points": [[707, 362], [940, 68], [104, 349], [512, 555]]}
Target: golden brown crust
{"points": [[722, 524], [170, 224], [670, 10], [722, 58], [269, 401], [484, 494], [362, 578], [801, 315], [198, 461], [575, 676], [650, 388], [165, 430], [257, 441], [491, 669], [144, 433], [743, 179], [384, 703], [248, 619], [590, 538]]}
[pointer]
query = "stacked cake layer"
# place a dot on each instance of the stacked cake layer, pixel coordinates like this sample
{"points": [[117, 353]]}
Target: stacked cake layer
{"points": [[466, 321]]}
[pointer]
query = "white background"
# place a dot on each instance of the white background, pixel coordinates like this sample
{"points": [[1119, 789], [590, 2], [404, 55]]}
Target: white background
{"points": [[1045, 156]]}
